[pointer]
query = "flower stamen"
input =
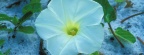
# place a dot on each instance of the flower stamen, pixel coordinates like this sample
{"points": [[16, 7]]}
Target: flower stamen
{"points": [[72, 28], [72, 31]]}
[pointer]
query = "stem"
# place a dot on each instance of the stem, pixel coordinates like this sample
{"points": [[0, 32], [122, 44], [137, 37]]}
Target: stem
{"points": [[23, 19], [131, 16], [14, 31], [140, 40], [115, 35], [15, 3], [41, 50]]}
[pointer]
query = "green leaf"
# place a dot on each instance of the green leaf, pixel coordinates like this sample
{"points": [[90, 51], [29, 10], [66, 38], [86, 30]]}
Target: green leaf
{"points": [[109, 12], [34, 7], [4, 17], [25, 17], [3, 27], [1, 42], [26, 29], [7, 52], [10, 30], [15, 21], [119, 1], [1, 53], [129, 4], [35, 1], [125, 35], [96, 53]]}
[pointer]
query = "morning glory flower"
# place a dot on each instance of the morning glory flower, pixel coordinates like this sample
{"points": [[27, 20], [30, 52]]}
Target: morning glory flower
{"points": [[69, 27]]}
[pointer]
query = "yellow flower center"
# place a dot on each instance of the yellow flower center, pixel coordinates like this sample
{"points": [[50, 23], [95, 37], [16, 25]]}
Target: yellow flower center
{"points": [[72, 31], [71, 28]]}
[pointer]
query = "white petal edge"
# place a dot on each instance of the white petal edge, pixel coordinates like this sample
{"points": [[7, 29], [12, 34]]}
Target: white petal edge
{"points": [[94, 18], [75, 9], [89, 13], [47, 24], [56, 44], [82, 11], [90, 39], [56, 6], [70, 48]]}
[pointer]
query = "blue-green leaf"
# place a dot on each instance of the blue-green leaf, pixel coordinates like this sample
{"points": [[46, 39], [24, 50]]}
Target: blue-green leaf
{"points": [[109, 12], [7, 52], [34, 7], [35, 1], [25, 17], [4, 17], [26, 29], [129, 4], [125, 35], [119, 1], [15, 20], [96, 53], [3, 27], [1, 53], [1, 42]]}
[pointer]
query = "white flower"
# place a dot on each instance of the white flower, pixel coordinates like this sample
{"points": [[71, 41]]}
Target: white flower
{"points": [[69, 27]]}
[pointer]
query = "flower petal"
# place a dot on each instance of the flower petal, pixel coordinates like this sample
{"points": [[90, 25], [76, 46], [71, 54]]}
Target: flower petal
{"points": [[47, 24], [92, 19], [89, 13], [70, 8], [56, 44], [86, 12], [56, 6], [90, 39], [77, 10], [70, 48]]}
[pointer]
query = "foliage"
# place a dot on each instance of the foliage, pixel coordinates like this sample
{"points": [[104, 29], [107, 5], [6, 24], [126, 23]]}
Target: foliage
{"points": [[125, 35], [33, 6], [1, 42], [109, 12], [28, 10], [96, 53], [7, 52], [4, 17], [119, 1], [110, 15], [26, 29]]}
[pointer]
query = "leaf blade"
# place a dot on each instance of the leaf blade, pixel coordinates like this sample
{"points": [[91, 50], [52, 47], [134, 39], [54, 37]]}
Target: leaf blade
{"points": [[26, 29], [34, 7], [35, 1], [1, 53], [125, 35], [119, 1], [3, 27], [4, 17], [14, 20], [7, 52], [1, 42], [96, 53], [25, 17], [109, 12]]}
